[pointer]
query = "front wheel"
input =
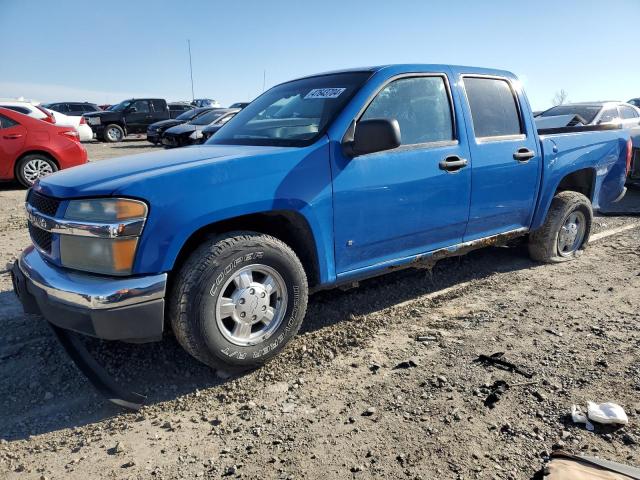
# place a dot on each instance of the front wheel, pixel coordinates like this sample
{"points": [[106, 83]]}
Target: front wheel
{"points": [[238, 300], [113, 133], [566, 230]]}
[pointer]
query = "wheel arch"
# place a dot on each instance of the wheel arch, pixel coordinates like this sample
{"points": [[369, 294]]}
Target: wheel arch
{"points": [[582, 181], [46, 153], [289, 226]]}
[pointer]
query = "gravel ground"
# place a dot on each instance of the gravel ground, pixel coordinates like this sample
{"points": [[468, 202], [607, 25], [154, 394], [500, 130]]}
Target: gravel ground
{"points": [[380, 383]]}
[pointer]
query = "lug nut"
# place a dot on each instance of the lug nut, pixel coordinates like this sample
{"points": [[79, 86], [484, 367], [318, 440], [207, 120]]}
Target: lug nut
{"points": [[241, 301], [254, 317], [263, 295], [252, 291], [264, 307], [242, 314]]}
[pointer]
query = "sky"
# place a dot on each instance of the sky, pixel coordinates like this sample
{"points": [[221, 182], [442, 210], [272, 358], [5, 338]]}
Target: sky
{"points": [[105, 52]]}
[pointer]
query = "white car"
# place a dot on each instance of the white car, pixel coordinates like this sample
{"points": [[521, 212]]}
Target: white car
{"points": [[592, 113], [79, 123], [29, 109]]}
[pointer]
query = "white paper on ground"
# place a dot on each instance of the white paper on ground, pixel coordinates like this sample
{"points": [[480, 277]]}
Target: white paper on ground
{"points": [[607, 413]]}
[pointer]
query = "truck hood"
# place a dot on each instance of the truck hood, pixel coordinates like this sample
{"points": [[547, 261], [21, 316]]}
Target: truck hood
{"points": [[107, 177]]}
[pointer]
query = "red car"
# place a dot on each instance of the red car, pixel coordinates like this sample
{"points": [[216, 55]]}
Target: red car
{"points": [[31, 149]]}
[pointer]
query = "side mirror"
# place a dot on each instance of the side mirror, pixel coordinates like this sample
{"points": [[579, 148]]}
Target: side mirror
{"points": [[375, 135], [132, 110]]}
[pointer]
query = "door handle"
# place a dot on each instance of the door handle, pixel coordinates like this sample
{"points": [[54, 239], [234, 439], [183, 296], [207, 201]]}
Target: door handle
{"points": [[453, 163], [524, 154], [13, 136]]}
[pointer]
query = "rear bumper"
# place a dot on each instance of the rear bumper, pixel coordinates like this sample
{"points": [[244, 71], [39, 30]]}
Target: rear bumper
{"points": [[111, 308]]}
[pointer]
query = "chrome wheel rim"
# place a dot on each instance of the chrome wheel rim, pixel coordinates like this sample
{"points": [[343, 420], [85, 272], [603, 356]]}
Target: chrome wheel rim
{"points": [[35, 169], [572, 233], [251, 305], [114, 134]]}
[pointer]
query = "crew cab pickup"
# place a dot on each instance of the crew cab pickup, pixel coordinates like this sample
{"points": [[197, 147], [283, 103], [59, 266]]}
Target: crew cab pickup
{"points": [[129, 116], [321, 181]]}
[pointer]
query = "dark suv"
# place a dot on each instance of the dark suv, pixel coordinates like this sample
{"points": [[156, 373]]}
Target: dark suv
{"points": [[73, 109], [129, 116]]}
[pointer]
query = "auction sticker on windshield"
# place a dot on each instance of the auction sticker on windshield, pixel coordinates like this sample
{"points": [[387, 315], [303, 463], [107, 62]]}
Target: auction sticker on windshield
{"points": [[324, 93]]}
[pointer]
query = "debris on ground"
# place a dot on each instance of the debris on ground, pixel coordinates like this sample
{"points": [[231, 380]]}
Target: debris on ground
{"points": [[497, 360], [498, 388], [607, 413]]}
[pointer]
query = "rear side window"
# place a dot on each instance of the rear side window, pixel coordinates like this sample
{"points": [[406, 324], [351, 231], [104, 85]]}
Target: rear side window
{"points": [[6, 122], [24, 111], [494, 109], [420, 105], [627, 112], [158, 105]]}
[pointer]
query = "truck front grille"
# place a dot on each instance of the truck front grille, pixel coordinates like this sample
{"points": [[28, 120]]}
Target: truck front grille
{"points": [[40, 238], [47, 205]]}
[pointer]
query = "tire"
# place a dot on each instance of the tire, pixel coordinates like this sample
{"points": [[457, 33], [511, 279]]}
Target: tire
{"points": [[552, 243], [113, 133], [34, 166], [216, 331]]}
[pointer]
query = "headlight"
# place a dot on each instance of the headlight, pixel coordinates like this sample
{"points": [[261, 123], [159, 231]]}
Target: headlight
{"points": [[105, 237], [195, 134]]}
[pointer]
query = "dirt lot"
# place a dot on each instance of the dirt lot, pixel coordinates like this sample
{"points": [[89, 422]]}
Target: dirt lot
{"points": [[380, 383]]}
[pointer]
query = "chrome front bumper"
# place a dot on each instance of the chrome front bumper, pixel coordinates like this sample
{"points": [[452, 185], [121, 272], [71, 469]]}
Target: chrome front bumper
{"points": [[113, 308]]}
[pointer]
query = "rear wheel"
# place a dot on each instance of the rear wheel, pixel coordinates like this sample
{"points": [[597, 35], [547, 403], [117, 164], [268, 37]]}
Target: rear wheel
{"points": [[566, 230], [238, 300], [33, 167], [113, 133]]}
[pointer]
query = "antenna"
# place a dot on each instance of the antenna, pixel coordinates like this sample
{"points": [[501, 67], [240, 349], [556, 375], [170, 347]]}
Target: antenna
{"points": [[264, 79], [193, 97]]}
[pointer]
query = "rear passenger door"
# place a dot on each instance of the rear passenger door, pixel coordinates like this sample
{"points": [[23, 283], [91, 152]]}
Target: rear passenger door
{"points": [[12, 139], [505, 158]]}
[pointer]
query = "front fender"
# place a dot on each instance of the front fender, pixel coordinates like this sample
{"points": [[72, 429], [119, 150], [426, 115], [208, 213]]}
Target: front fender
{"points": [[183, 202]]}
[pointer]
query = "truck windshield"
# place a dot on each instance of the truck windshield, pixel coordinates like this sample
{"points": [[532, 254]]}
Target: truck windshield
{"points": [[121, 106], [588, 112], [292, 114]]}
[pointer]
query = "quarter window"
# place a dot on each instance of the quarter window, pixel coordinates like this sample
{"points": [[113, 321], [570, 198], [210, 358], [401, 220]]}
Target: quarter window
{"points": [[420, 105], [494, 110], [6, 122], [609, 115]]}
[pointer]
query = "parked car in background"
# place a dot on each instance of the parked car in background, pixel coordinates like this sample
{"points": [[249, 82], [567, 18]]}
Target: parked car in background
{"points": [[78, 122], [105, 106], [212, 128], [129, 116], [31, 149], [156, 130], [355, 174], [239, 105], [635, 102], [26, 108], [72, 109], [593, 113], [190, 133], [205, 102], [178, 108]]}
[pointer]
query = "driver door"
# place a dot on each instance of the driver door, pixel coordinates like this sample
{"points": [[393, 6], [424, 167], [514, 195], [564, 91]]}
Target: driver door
{"points": [[137, 114], [399, 203]]}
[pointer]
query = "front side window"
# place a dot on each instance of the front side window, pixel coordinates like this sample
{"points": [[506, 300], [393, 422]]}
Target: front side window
{"points": [[609, 115], [494, 110], [141, 106], [420, 105], [292, 114]]}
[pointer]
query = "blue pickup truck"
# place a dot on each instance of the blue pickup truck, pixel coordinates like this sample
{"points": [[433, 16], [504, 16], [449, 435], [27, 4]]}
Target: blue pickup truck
{"points": [[321, 181]]}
